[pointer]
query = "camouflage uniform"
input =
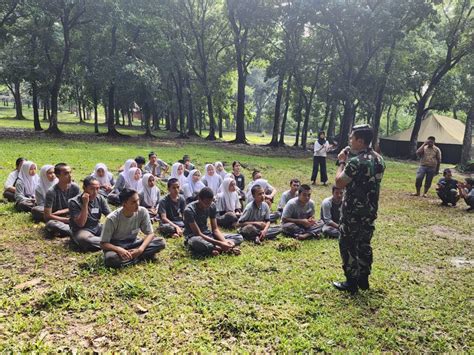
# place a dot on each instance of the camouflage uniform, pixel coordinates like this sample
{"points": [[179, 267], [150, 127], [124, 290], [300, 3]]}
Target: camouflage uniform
{"points": [[364, 173]]}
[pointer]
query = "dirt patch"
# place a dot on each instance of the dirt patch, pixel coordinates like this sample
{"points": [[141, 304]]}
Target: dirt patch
{"points": [[447, 233], [461, 262]]}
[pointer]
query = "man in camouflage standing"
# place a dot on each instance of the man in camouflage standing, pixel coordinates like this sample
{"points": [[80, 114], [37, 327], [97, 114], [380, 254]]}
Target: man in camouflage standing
{"points": [[360, 172]]}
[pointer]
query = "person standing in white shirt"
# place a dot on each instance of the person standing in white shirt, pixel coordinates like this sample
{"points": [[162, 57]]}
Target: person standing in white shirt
{"points": [[321, 148]]}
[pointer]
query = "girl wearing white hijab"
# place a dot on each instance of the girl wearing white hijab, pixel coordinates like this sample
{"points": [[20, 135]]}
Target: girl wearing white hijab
{"points": [[211, 179], [193, 186], [134, 179], [120, 184], [47, 179], [26, 185], [105, 178], [177, 172], [220, 169], [228, 204], [150, 195]]}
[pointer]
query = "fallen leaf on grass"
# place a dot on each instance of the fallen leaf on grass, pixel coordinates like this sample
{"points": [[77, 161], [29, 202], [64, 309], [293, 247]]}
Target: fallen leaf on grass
{"points": [[140, 308], [28, 284]]}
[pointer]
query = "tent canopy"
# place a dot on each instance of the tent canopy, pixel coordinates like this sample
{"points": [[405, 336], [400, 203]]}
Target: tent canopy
{"points": [[445, 129]]}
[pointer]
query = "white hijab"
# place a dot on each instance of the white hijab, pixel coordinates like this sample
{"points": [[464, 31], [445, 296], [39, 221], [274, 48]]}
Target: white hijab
{"points": [[44, 183], [126, 168], [150, 194], [104, 180], [174, 174], [222, 173], [214, 181], [194, 186], [131, 182], [29, 182], [228, 201]]}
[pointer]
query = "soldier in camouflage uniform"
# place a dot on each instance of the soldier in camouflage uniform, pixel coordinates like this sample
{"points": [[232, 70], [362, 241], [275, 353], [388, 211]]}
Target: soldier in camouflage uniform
{"points": [[360, 174]]}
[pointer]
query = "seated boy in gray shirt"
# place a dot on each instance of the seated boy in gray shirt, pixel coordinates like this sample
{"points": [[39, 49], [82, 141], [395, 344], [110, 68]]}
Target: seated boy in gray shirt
{"points": [[171, 209], [56, 208], [298, 216], [289, 194], [85, 211], [198, 238], [156, 166], [331, 213], [119, 238], [255, 220]]}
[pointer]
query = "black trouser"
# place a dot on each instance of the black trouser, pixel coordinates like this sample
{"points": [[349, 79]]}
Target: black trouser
{"points": [[319, 161]]}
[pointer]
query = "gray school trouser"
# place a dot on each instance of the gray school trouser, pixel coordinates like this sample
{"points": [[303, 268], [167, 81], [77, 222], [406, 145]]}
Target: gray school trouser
{"points": [[58, 228], [251, 232], [112, 259], [10, 196], [469, 201], [424, 171], [227, 220], [198, 246], [167, 230], [37, 213], [25, 205], [292, 230], [331, 232], [86, 240], [113, 199]]}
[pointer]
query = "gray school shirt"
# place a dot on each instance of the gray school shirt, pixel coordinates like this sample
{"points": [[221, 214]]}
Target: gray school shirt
{"points": [[193, 214], [97, 208], [119, 184], [254, 213], [173, 210], [39, 197], [295, 210], [285, 197], [117, 227], [160, 165], [57, 199], [20, 192], [329, 215]]}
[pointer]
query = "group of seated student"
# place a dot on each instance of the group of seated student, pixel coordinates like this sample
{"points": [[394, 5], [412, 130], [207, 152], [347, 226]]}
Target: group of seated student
{"points": [[450, 191]]}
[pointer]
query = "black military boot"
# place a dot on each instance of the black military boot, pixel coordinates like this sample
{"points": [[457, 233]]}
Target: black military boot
{"points": [[348, 286], [363, 282]]}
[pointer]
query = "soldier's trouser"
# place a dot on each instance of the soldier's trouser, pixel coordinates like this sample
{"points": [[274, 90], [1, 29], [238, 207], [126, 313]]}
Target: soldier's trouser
{"points": [[167, 230], [227, 220], [10, 196], [24, 206], [292, 230], [198, 246], [331, 232], [112, 259], [58, 228], [450, 196], [86, 240], [355, 249], [113, 199], [37, 213], [424, 171], [251, 232]]}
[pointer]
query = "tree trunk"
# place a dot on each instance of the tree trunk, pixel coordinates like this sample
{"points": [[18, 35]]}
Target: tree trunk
{"points": [[276, 116], [53, 120], [240, 116], [173, 122], [220, 117], [285, 114], [298, 117], [96, 114], [111, 130], [79, 110], [191, 120], [467, 141], [178, 81], [420, 114], [146, 117], [332, 120], [36, 119], [346, 124], [212, 122]]}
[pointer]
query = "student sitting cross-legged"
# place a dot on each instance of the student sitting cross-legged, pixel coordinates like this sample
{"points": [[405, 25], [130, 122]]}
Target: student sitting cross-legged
{"points": [[255, 220], [289, 194], [198, 238], [150, 195], [298, 216], [171, 209], [228, 204], [105, 178], [56, 209], [331, 213], [12, 179], [193, 186], [47, 179], [85, 211], [121, 183], [26, 185], [119, 238]]}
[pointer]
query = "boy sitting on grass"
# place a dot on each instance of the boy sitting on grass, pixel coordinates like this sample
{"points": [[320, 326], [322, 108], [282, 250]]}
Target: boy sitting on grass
{"points": [[171, 209], [198, 238]]}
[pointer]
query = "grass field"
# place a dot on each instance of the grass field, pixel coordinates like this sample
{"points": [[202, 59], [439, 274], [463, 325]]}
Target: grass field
{"points": [[273, 298]]}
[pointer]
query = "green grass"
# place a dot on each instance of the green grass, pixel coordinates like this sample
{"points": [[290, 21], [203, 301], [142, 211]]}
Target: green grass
{"points": [[273, 298]]}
